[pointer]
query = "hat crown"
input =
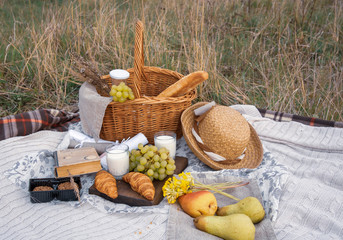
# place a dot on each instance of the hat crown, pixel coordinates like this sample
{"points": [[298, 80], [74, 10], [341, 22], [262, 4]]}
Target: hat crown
{"points": [[225, 131]]}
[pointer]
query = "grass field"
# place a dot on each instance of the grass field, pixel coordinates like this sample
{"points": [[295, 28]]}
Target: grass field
{"points": [[283, 55]]}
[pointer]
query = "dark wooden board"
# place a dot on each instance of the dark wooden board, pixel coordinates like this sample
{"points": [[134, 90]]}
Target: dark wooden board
{"points": [[127, 196]]}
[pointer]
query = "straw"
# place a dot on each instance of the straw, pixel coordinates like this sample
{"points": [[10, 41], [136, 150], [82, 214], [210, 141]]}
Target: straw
{"points": [[253, 153]]}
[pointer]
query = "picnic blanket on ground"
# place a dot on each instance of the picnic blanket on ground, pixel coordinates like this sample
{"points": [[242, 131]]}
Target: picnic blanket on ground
{"points": [[309, 200], [26, 123]]}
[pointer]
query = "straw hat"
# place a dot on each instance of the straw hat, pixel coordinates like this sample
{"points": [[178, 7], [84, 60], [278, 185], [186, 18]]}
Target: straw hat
{"points": [[223, 131]]}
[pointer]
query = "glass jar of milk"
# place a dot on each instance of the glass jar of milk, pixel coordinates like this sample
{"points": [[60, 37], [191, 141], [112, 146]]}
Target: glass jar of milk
{"points": [[117, 157], [166, 139]]}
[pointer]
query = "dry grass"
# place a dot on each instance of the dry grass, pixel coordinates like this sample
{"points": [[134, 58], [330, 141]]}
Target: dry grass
{"points": [[280, 55]]}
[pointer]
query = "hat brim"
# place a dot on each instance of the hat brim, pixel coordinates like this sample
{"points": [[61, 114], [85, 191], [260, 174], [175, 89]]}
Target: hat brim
{"points": [[253, 154]]}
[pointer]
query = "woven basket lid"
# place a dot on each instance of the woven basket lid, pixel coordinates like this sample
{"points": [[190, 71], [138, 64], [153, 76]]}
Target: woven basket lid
{"points": [[211, 126]]}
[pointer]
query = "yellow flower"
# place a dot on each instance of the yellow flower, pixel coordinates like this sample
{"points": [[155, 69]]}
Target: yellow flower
{"points": [[184, 183], [176, 187]]}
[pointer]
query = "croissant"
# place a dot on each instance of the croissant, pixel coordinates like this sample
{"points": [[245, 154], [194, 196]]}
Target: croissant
{"points": [[141, 184], [104, 182]]}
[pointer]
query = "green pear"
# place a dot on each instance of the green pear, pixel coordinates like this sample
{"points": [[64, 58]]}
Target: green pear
{"points": [[232, 227], [249, 206]]}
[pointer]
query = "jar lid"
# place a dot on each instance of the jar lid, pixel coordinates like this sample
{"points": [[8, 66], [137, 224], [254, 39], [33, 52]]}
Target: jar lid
{"points": [[119, 74]]}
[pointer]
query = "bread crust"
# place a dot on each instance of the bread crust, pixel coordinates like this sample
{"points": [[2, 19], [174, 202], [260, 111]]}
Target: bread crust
{"points": [[185, 84], [105, 183], [141, 184]]}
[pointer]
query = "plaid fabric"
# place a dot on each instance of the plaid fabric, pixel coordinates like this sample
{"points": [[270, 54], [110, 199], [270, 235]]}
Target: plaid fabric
{"points": [[43, 119], [29, 122], [287, 117]]}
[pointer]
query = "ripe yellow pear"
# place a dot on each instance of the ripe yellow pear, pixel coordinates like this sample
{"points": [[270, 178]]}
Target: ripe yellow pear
{"points": [[231, 227], [249, 206], [198, 203]]}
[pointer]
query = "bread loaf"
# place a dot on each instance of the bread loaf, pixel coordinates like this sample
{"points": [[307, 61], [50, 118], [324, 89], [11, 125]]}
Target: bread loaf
{"points": [[184, 85], [105, 183], [141, 184]]}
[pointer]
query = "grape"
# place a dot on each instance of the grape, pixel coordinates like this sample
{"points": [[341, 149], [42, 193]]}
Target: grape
{"points": [[146, 155], [133, 165], [113, 92], [143, 161], [157, 165], [169, 167], [162, 176], [154, 163], [150, 153], [156, 158], [162, 150], [140, 167], [121, 93], [131, 96], [164, 156], [126, 89], [153, 148], [144, 149], [137, 153], [151, 178], [163, 163], [125, 95], [152, 167], [156, 175], [150, 172], [171, 161], [120, 88]]}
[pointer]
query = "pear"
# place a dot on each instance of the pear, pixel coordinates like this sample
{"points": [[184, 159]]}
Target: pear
{"points": [[249, 206], [198, 203], [232, 227]]}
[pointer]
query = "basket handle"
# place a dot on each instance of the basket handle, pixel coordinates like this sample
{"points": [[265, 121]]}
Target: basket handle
{"points": [[138, 69]]}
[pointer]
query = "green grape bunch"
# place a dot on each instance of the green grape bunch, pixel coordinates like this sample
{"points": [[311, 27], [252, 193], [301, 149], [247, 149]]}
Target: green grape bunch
{"points": [[153, 162], [121, 93]]}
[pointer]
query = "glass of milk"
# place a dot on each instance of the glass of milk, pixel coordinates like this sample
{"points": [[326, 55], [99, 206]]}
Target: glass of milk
{"points": [[117, 157], [166, 139]]}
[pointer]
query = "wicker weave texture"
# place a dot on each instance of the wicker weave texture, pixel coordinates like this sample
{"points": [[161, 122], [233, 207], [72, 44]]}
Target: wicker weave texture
{"points": [[225, 131], [253, 154], [146, 114]]}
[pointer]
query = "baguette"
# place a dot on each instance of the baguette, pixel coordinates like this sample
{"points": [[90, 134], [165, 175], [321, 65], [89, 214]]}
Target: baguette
{"points": [[184, 85]]}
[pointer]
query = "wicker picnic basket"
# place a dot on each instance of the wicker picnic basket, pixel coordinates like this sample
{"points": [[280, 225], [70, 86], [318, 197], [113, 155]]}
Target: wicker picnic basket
{"points": [[145, 114]]}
